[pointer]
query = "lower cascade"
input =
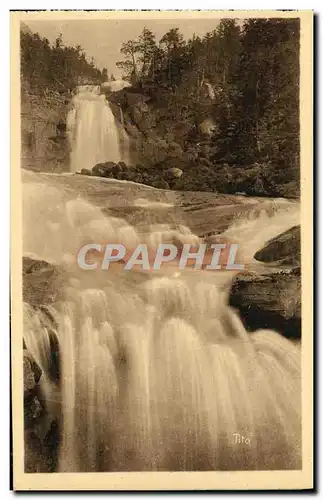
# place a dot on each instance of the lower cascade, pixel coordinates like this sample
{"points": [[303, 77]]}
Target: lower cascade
{"points": [[93, 132], [156, 371]]}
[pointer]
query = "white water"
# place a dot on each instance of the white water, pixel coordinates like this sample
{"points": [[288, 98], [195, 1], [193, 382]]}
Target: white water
{"points": [[157, 372], [268, 220], [93, 131]]}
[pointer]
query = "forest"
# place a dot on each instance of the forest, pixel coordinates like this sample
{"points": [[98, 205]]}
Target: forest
{"points": [[54, 67], [241, 83], [230, 97]]}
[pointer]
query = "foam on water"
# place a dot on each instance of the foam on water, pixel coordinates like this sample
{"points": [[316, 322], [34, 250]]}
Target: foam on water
{"points": [[158, 372]]}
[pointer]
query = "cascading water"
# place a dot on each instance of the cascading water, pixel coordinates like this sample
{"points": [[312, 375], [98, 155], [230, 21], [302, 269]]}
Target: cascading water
{"points": [[93, 131], [156, 371]]}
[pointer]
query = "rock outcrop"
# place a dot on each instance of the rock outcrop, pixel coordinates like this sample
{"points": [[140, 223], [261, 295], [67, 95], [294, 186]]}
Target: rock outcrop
{"points": [[44, 141], [41, 429], [40, 282], [271, 297], [283, 249]]}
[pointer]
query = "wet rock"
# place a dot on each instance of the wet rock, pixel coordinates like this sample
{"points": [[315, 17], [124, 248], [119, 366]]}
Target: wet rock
{"points": [[116, 169], [41, 455], [41, 438], [103, 169], [33, 409], [33, 453], [41, 432], [85, 171], [269, 299], [45, 146], [31, 265], [32, 372], [61, 128], [41, 282], [283, 249]]}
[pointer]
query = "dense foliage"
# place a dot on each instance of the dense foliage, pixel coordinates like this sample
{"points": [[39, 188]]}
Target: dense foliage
{"points": [[224, 108], [233, 93], [54, 67]]}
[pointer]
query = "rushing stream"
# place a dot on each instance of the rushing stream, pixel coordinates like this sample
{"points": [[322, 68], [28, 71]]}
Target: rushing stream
{"points": [[156, 371]]}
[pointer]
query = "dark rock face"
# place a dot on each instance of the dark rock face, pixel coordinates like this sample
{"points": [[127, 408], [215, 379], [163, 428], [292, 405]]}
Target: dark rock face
{"points": [[41, 429], [40, 282], [85, 171], [284, 248], [45, 146], [33, 408], [271, 298], [30, 266], [103, 169], [32, 372]]}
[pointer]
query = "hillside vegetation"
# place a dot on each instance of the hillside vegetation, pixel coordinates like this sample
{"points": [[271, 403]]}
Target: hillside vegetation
{"points": [[229, 101]]}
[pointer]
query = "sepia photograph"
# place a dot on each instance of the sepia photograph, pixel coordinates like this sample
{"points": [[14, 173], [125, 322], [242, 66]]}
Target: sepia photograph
{"points": [[161, 265]]}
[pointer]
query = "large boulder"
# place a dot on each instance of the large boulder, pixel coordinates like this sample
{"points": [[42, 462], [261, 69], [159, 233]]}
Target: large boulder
{"points": [[32, 373], [86, 171], [269, 299], [271, 296], [41, 282], [103, 169], [160, 184], [283, 249], [42, 285]]}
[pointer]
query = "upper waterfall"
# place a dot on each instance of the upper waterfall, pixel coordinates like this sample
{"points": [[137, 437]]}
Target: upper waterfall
{"points": [[93, 130]]}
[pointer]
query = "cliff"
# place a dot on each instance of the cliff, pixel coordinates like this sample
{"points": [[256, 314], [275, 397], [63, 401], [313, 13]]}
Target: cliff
{"points": [[44, 143]]}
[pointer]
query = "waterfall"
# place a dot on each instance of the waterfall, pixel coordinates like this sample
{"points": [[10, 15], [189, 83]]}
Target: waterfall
{"points": [[157, 372], [92, 129]]}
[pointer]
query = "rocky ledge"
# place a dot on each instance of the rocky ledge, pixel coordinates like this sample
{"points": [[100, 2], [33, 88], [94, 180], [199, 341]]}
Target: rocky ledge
{"points": [[40, 428], [178, 171], [41, 286], [270, 297], [40, 282], [284, 249]]}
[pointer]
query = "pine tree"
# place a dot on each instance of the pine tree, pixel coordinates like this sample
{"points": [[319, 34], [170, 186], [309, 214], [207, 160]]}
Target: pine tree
{"points": [[148, 49], [129, 66]]}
